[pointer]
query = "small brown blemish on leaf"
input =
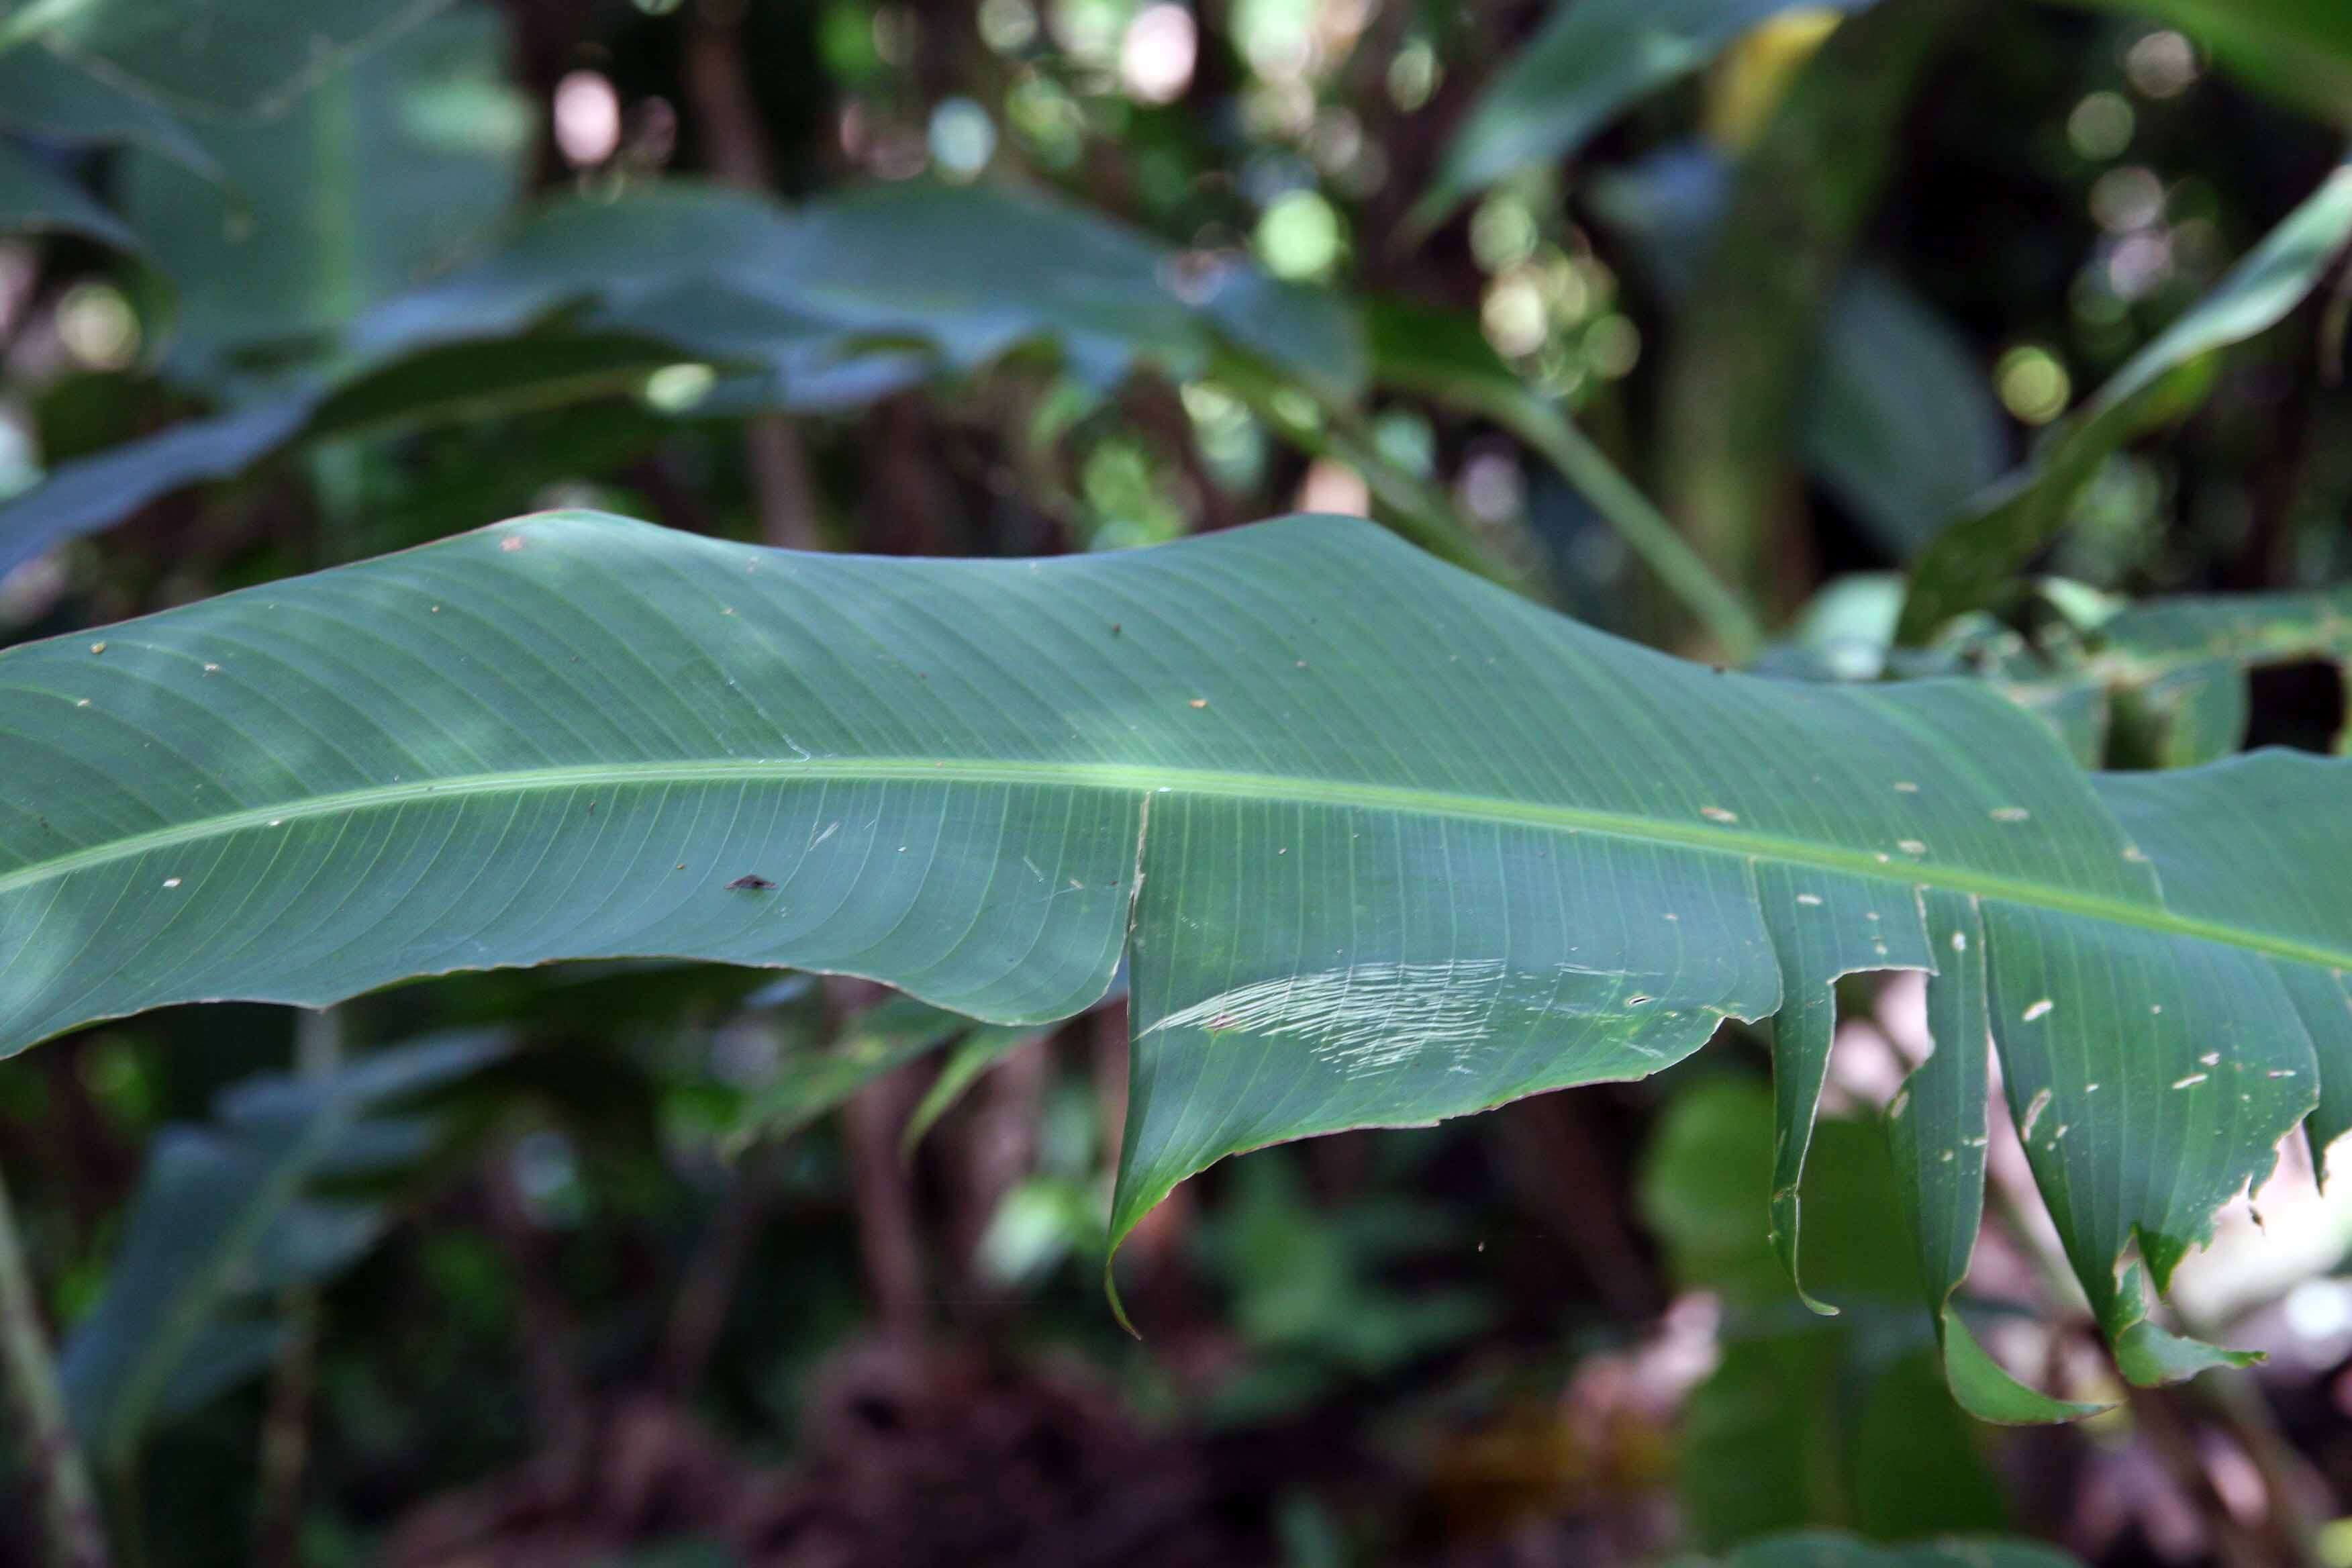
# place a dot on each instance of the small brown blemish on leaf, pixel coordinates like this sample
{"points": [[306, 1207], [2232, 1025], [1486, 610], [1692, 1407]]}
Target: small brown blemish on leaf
{"points": [[1199, 703], [1115, 630], [750, 884], [98, 647]]}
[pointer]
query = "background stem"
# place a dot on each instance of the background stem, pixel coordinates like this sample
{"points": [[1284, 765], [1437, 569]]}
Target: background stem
{"points": [[71, 1534]]}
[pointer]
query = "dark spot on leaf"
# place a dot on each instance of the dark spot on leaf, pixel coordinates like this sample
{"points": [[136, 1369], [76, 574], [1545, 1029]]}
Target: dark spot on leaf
{"points": [[750, 885]]}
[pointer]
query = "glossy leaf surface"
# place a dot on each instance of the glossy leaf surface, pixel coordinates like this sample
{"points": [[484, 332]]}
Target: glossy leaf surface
{"points": [[1380, 843]]}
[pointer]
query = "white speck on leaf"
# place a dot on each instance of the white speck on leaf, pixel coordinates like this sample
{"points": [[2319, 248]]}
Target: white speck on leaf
{"points": [[1905, 786], [171, 881], [2038, 1010], [2009, 814], [2211, 1058], [1717, 814], [2033, 1109], [1959, 941], [2191, 1081], [1810, 901], [98, 647], [1911, 847]]}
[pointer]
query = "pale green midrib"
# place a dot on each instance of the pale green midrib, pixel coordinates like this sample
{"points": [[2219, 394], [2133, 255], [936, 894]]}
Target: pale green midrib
{"points": [[1140, 779]]}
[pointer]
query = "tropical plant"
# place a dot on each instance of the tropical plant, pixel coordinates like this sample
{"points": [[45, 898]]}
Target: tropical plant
{"points": [[1092, 867]]}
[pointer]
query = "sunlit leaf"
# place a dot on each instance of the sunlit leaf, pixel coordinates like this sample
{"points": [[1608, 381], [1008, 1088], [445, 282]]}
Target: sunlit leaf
{"points": [[388, 172]]}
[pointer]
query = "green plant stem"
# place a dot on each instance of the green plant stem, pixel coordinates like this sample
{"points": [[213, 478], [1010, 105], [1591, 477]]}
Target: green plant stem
{"points": [[1744, 343], [71, 1534], [1418, 511], [1738, 636]]}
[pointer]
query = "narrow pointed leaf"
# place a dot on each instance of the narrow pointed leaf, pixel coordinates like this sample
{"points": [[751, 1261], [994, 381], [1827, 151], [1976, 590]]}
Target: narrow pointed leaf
{"points": [[973, 1055], [1591, 60], [1381, 842], [1999, 533]]}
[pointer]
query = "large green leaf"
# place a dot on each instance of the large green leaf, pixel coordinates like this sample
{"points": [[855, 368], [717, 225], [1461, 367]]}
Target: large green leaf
{"points": [[1380, 842], [216, 57], [390, 171], [1978, 550]]}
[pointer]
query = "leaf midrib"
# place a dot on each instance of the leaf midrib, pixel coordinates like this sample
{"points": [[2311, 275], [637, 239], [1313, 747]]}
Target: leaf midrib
{"points": [[1142, 779]]}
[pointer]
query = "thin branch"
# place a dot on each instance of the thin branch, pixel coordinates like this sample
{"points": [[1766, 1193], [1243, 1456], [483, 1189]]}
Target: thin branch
{"points": [[71, 1534]]}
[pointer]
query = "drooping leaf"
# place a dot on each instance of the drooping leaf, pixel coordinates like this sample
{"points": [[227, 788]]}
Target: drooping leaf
{"points": [[823, 310], [222, 1224], [85, 495], [1999, 533], [1381, 844], [1591, 60], [227, 57]]}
